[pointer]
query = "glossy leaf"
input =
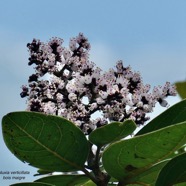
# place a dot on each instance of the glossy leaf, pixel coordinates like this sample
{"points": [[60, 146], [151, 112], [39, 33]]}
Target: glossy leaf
{"points": [[32, 184], [173, 172], [173, 115], [181, 89], [112, 132], [134, 156], [44, 141], [69, 180], [149, 176]]}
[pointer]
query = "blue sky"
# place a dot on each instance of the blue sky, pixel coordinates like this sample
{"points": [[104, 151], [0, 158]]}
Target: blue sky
{"points": [[148, 35]]}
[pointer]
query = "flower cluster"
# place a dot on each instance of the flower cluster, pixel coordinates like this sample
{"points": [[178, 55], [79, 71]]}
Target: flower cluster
{"points": [[65, 77]]}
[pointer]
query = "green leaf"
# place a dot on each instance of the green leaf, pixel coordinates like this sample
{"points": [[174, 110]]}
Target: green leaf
{"points": [[133, 156], [32, 184], [112, 132], [181, 89], [173, 115], [47, 142], [88, 183], [173, 172], [149, 176], [69, 180], [180, 184]]}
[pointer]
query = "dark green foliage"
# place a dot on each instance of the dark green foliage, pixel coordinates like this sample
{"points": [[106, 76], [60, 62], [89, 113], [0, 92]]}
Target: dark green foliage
{"points": [[173, 172], [112, 132], [52, 144], [45, 141]]}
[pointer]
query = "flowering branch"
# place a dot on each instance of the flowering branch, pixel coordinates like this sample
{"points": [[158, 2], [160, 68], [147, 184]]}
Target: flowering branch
{"points": [[118, 94], [67, 84]]}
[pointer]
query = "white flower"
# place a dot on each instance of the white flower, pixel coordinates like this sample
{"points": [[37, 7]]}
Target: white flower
{"points": [[72, 44], [157, 92], [146, 107], [49, 108], [71, 86], [60, 50], [103, 94], [51, 59], [66, 54], [139, 104], [100, 100], [61, 85], [122, 81], [87, 79], [124, 91], [172, 91], [93, 106], [118, 94], [136, 97], [96, 73], [146, 88], [136, 77], [72, 96], [78, 123], [113, 89], [59, 97], [119, 67]]}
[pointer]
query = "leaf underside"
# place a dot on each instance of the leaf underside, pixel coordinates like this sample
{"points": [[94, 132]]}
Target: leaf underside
{"points": [[112, 132], [130, 157], [69, 180], [149, 176], [47, 142], [173, 172]]}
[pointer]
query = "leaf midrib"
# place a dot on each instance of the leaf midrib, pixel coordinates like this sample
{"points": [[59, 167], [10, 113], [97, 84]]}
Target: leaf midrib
{"points": [[48, 149]]}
